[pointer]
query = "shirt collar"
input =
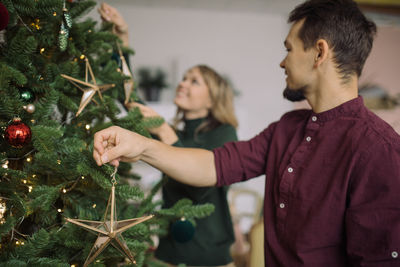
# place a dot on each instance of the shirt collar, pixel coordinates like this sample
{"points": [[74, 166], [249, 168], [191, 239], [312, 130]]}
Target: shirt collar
{"points": [[351, 107]]}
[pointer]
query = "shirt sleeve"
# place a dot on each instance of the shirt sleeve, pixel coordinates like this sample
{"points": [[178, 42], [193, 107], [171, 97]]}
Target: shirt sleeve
{"points": [[242, 160], [373, 214]]}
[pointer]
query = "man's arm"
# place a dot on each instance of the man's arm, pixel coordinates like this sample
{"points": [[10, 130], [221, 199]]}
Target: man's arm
{"points": [[373, 214], [191, 166]]}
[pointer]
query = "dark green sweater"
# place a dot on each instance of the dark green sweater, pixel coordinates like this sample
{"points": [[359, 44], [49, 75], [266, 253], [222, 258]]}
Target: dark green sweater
{"points": [[214, 234]]}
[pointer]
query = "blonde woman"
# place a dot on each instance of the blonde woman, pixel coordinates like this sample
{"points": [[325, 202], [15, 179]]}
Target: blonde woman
{"points": [[206, 115], [205, 118]]}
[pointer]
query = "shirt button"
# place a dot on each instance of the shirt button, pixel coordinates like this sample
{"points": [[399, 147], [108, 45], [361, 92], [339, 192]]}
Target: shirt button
{"points": [[314, 118], [394, 253], [282, 206], [308, 139], [290, 169]]}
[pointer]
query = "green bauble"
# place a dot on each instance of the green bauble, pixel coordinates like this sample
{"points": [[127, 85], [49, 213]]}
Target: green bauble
{"points": [[26, 95], [182, 230]]}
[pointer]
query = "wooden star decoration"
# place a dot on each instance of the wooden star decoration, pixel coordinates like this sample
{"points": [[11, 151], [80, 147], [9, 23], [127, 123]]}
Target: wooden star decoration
{"points": [[129, 83], [109, 231], [92, 88]]}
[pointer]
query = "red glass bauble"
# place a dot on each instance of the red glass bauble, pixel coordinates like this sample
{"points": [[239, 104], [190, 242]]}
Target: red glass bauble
{"points": [[18, 134], [4, 17]]}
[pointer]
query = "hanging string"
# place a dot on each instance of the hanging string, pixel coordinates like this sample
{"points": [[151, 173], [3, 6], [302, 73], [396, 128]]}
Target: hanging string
{"points": [[113, 180]]}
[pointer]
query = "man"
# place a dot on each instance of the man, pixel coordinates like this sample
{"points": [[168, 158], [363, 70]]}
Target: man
{"points": [[332, 189]]}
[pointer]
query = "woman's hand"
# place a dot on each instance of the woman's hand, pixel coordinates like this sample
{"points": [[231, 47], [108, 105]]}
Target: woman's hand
{"points": [[110, 14], [164, 132], [146, 111]]}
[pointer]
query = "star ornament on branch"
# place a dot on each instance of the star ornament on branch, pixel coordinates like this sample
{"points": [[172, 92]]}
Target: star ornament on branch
{"points": [[109, 231], [129, 83], [91, 88]]}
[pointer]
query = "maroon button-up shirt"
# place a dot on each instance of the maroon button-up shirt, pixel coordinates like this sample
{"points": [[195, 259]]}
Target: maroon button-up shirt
{"points": [[332, 187]]}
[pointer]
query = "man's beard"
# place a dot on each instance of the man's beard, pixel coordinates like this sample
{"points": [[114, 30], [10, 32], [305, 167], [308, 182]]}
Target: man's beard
{"points": [[294, 95]]}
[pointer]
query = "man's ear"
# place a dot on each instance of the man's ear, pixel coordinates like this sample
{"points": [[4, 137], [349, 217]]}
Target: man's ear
{"points": [[322, 51]]}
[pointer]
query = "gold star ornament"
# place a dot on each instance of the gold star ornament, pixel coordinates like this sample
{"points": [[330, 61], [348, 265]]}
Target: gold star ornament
{"points": [[129, 83], [109, 231], [91, 88]]}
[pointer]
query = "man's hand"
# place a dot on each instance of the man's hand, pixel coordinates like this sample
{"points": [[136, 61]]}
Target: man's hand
{"points": [[116, 144]]}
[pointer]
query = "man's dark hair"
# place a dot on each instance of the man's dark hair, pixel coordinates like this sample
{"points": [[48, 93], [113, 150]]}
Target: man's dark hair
{"points": [[342, 24]]}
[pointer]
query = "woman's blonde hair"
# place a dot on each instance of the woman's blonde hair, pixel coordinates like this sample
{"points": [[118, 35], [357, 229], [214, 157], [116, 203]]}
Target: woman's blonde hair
{"points": [[221, 94]]}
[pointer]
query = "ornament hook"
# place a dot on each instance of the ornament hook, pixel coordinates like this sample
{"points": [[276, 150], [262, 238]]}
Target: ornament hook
{"points": [[113, 180]]}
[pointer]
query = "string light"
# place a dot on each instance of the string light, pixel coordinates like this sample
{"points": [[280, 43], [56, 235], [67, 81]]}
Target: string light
{"points": [[30, 188], [94, 205], [64, 190], [24, 181], [54, 13], [5, 165], [87, 127], [82, 57], [58, 162], [29, 159], [36, 24], [59, 210], [3, 209], [82, 177], [42, 50], [19, 243]]}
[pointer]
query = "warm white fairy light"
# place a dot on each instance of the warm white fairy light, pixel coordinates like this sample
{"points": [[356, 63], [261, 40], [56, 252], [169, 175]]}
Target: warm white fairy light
{"points": [[3, 209], [64, 190], [29, 159], [5, 165], [82, 177], [87, 127], [19, 243], [59, 210], [94, 205], [24, 181], [30, 188]]}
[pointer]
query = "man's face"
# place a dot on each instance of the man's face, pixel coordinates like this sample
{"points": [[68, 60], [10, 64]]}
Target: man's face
{"points": [[297, 65]]}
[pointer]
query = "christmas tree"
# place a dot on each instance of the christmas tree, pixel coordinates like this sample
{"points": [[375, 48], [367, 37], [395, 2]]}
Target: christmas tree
{"points": [[62, 78]]}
